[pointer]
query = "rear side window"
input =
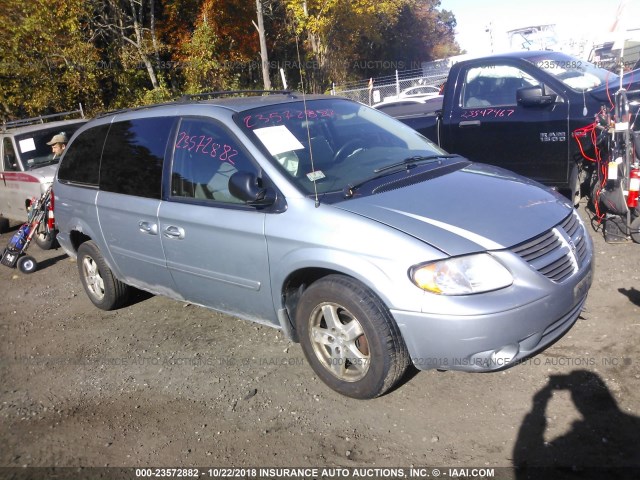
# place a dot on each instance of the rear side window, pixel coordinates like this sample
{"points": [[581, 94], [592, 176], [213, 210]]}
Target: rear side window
{"points": [[81, 161], [133, 157]]}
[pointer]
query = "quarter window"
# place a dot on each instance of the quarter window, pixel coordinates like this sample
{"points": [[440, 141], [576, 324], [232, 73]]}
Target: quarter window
{"points": [[81, 160], [205, 156], [133, 157]]}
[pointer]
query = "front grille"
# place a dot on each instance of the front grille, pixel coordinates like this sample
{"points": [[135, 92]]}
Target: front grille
{"points": [[576, 233], [557, 253]]}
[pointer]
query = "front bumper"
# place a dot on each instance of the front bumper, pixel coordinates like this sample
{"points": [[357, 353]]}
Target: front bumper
{"points": [[493, 341]]}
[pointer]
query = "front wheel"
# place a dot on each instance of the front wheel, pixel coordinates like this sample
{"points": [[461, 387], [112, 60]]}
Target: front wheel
{"points": [[350, 338], [27, 264], [103, 288]]}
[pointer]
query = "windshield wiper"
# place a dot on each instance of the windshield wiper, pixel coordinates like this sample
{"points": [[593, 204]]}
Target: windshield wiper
{"points": [[46, 163], [407, 163], [410, 161]]}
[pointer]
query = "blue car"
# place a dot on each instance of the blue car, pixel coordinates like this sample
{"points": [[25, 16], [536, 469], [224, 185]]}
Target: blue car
{"points": [[347, 230]]}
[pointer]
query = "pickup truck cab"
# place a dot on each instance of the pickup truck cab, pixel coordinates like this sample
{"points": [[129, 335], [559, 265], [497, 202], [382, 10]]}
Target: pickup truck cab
{"points": [[519, 111]]}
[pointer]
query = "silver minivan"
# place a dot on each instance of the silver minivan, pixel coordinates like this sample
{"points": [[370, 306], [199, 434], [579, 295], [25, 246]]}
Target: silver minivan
{"points": [[331, 221]]}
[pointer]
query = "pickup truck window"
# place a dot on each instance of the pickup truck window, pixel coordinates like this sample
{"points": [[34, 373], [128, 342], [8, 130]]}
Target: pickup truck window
{"points": [[574, 73], [494, 85], [10, 161]]}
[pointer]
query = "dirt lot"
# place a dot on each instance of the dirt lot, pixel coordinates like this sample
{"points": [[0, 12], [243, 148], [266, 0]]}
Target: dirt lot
{"points": [[164, 384]]}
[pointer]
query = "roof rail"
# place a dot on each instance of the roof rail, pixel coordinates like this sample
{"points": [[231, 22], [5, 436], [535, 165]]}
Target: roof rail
{"points": [[194, 96], [41, 118]]}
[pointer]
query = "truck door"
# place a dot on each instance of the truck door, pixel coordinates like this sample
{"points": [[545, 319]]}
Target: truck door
{"points": [[10, 183], [488, 125]]}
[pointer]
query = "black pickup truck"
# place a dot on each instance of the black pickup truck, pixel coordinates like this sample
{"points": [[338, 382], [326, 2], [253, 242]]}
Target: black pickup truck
{"points": [[520, 111]]}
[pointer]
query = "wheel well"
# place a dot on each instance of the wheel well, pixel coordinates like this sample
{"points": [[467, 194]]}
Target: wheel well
{"points": [[78, 238], [296, 283]]}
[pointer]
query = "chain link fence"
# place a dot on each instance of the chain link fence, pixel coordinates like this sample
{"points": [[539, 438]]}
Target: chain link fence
{"points": [[379, 89]]}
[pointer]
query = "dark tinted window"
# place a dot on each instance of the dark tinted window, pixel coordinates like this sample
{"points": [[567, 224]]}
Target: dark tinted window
{"points": [[205, 157], [133, 156], [81, 161]]}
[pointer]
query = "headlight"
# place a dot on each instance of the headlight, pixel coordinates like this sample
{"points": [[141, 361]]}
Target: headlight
{"points": [[462, 275]]}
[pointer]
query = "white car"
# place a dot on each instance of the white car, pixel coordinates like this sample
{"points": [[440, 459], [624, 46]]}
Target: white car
{"points": [[420, 91]]}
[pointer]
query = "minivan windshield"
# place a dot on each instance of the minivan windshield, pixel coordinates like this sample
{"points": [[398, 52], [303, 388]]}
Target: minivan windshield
{"points": [[327, 145]]}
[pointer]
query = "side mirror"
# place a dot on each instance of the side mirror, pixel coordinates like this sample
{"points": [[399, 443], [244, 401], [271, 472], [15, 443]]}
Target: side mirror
{"points": [[534, 96], [248, 188]]}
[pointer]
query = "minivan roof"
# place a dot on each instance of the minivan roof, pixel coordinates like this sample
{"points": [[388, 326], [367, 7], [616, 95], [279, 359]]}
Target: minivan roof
{"points": [[236, 104]]}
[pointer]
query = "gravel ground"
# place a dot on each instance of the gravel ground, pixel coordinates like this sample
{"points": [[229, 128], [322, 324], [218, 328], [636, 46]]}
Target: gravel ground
{"points": [[161, 383]]}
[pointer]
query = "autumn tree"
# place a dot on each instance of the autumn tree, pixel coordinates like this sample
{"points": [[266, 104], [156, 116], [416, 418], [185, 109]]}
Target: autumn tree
{"points": [[222, 51], [120, 53], [47, 62], [203, 70], [422, 33], [333, 28], [359, 38]]}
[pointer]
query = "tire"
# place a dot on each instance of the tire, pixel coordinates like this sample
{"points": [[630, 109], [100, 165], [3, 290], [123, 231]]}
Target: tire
{"points": [[45, 239], [635, 228], [103, 288], [27, 264], [4, 224], [360, 353]]}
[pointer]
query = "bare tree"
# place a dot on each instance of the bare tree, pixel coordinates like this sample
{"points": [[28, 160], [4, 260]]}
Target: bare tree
{"points": [[125, 20], [264, 54]]}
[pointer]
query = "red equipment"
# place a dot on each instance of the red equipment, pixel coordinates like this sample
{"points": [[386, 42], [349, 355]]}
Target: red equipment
{"points": [[634, 186]]}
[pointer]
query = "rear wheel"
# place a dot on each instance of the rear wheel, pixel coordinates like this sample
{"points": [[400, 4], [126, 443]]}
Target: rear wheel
{"points": [[4, 224], [635, 226], [349, 337], [45, 238], [103, 288]]}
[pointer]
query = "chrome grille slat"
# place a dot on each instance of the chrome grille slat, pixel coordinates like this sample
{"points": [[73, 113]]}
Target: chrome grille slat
{"points": [[559, 272], [544, 246], [559, 252]]}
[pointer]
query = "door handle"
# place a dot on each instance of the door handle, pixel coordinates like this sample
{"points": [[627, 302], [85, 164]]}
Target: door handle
{"points": [[470, 123], [172, 231], [147, 227]]}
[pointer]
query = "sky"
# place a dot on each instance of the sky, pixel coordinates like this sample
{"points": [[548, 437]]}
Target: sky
{"points": [[585, 21]]}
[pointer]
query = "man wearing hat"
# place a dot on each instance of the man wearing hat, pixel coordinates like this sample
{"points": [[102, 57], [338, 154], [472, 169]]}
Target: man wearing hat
{"points": [[58, 144]]}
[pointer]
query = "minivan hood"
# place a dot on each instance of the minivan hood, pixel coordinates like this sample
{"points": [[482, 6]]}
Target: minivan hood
{"points": [[477, 208]]}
